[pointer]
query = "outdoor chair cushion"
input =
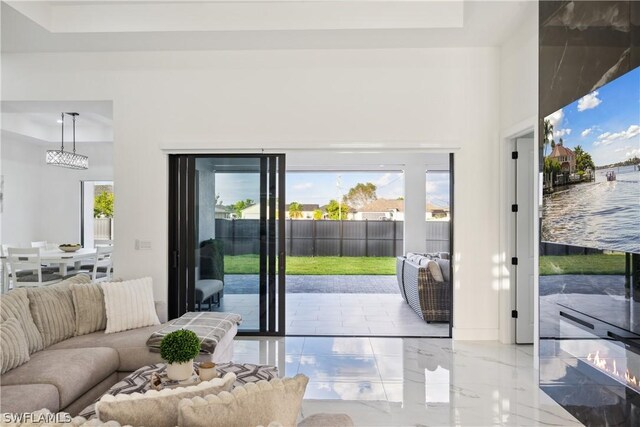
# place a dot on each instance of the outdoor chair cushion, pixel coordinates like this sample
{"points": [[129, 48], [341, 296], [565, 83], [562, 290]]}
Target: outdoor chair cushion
{"points": [[73, 372], [444, 265], [46, 277], [206, 288]]}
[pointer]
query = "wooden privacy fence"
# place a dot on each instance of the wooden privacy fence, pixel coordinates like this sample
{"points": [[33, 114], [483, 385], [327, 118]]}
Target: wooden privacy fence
{"points": [[330, 238]]}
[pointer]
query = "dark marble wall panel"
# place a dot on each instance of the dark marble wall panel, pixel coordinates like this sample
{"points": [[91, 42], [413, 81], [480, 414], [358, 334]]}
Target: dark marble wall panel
{"points": [[584, 45]]}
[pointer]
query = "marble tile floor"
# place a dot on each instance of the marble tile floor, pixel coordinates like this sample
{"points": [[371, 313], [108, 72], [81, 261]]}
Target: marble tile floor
{"points": [[340, 314], [412, 381]]}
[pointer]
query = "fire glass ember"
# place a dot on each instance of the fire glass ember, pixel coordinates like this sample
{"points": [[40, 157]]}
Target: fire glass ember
{"points": [[611, 369]]}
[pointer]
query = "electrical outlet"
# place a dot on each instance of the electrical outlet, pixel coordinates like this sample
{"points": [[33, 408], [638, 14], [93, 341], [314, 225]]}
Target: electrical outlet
{"points": [[143, 245]]}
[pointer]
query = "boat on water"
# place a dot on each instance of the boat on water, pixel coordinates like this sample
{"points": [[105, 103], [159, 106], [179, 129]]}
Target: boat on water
{"points": [[611, 176]]}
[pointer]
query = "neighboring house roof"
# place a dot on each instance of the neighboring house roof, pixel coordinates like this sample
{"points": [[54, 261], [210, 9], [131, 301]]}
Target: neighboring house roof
{"points": [[308, 207], [561, 151], [383, 205], [432, 208]]}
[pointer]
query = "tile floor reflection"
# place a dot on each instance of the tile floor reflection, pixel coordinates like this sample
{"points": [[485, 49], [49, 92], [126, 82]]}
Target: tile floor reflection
{"points": [[396, 381]]}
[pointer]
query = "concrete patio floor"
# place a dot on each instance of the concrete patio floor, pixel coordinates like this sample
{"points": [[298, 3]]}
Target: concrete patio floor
{"points": [[355, 305]]}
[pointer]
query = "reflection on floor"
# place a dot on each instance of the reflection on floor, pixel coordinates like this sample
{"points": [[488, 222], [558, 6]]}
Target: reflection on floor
{"points": [[339, 314], [395, 381]]}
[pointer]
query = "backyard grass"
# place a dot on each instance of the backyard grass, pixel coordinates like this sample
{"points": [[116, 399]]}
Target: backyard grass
{"points": [[326, 265], [582, 264]]}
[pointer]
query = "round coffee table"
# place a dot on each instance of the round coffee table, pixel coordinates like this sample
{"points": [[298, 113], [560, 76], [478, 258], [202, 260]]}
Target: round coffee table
{"points": [[139, 380]]}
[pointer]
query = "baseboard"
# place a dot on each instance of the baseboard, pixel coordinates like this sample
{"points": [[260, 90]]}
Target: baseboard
{"points": [[466, 334]]}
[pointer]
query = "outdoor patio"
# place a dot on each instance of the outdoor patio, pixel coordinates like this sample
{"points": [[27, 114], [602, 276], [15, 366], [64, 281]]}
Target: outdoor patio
{"points": [[363, 305]]}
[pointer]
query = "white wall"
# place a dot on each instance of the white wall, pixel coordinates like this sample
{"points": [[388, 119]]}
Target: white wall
{"points": [[518, 116], [42, 202], [345, 100]]}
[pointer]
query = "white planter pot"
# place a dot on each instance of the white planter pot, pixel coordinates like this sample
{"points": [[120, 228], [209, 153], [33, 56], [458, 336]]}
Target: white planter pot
{"points": [[180, 371]]}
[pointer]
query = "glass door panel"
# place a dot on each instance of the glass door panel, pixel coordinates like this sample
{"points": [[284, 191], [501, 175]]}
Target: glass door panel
{"points": [[231, 240]]}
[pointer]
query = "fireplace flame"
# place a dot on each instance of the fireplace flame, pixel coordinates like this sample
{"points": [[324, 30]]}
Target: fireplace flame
{"points": [[601, 363]]}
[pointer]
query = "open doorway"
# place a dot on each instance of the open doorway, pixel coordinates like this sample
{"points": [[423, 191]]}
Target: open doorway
{"points": [[96, 220], [345, 231]]}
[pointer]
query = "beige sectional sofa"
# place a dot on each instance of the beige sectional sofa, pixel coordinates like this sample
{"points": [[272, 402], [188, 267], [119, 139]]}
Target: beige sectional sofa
{"points": [[70, 374]]}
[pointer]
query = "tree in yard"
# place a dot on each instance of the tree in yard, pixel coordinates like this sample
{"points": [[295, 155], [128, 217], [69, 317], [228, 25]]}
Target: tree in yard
{"points": [[317, 214], [103, 205], [241, 205], [551, 168], [360, 195], [295, 210], [336, 210], [583, 160]]}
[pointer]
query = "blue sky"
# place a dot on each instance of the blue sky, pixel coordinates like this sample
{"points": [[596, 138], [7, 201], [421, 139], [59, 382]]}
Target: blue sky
{"points": [[320, 187], [606, 122]]}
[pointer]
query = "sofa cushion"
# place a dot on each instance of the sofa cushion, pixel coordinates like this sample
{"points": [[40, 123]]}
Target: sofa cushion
{"points": [[72, 371], [156, 408], [249, 405], [88, 300], [52, 310], [15, 304], [434, 268], [14, 349], [24, 397], [129, 305], [130, 345], [444, 265]]}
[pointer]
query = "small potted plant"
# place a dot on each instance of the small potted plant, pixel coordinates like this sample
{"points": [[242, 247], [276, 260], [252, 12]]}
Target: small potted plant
{"points": [[179, 348]]}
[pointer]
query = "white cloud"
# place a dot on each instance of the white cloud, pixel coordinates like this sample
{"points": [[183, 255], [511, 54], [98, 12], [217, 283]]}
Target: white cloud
{"points": [[586, 132], [303, 186], [633, 153], [383, 180], [609, 138], [561, 133], [589, 101], [555, 118]]}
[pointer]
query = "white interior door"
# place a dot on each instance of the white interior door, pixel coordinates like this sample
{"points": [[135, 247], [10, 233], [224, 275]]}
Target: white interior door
{"points": [[524, 244]]}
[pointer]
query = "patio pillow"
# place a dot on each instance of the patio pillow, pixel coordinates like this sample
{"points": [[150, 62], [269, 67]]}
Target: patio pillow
{"points": [[253, 404], [444, 265], [157, 408], [15, 304], [129, 305], [434, 268], [14, 349], [91, 315]]}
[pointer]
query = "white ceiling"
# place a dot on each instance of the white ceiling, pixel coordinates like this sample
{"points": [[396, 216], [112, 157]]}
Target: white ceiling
{"points": [[69, 26], [37, 121]]}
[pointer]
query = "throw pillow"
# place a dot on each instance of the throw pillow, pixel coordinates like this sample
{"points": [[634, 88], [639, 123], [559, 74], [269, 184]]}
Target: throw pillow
{"points": [[260, 403], [88, 300], [156, 408], [444, 265], [14, 348], [53, 312], [129, 305], [434, 268], [15, 304]]}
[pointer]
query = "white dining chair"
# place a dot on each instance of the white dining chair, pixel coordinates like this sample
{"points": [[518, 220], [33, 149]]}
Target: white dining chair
{"points": [[102, 264], [26, 268]]}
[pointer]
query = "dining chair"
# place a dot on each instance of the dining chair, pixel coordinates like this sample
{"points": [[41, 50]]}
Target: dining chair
{"points": [[7, 275], [102, 264], [26, 268]]}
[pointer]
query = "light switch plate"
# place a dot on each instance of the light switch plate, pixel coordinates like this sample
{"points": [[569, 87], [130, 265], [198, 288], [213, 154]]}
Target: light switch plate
{"points": [[143, 245]]}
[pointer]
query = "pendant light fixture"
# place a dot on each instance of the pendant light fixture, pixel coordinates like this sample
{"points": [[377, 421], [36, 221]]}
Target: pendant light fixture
{"points": [[67, 159]]}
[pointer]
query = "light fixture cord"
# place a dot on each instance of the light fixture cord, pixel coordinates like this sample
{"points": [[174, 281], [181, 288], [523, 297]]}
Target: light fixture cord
{"points": [[62, 139], [74, 134]]}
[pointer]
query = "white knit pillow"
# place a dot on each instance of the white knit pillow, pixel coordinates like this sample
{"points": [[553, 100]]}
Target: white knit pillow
{"points": [[157, 408], [129, 305]]}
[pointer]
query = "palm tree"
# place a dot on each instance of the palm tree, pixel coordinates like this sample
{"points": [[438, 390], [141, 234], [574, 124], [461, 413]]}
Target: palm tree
{"points": [[547, 136], [295, 210]]}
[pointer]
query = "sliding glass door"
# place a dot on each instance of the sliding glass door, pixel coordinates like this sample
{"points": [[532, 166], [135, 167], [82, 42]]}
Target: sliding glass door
{"points": [[226, 222]]}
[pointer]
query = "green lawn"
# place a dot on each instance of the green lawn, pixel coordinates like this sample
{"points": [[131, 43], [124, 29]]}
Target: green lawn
{"points": [[326, 265], [582, 264]]}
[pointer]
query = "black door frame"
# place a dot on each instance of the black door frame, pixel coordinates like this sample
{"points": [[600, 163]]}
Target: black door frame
{"points": [[181, 235]]}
